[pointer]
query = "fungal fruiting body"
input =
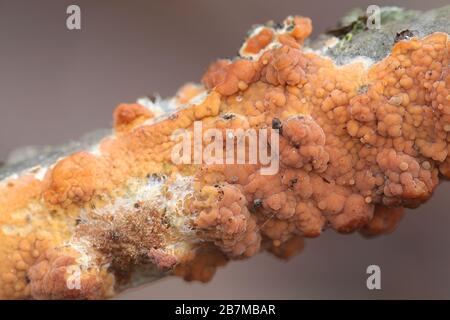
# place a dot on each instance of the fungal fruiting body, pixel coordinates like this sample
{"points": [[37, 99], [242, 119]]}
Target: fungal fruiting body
{"points": [[358, 142]]}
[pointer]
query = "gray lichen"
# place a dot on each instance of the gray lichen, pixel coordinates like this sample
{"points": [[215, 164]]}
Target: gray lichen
{"points": [[31, 156], [377, 43]]}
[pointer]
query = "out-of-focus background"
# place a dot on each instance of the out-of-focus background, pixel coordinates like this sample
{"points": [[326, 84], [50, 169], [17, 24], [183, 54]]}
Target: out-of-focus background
{"points": [[57, 84]]}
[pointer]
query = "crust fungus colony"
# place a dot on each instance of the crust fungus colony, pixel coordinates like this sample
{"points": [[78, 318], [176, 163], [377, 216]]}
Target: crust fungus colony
{"points": [[358, 143]]}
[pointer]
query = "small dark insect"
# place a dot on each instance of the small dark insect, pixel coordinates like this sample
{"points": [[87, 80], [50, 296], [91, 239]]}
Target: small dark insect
{"points": [[292, 182], [276, 124], [403, 35], [228, 116], [77, 221], [257, 203], [137, 205], [165, 222]]}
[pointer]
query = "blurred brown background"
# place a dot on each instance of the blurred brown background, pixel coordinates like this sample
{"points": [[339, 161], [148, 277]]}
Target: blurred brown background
{"points": [[57, 84]]}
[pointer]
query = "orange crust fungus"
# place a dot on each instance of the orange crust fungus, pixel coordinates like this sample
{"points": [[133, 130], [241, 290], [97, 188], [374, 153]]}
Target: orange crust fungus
{"points": [[358, 142]]}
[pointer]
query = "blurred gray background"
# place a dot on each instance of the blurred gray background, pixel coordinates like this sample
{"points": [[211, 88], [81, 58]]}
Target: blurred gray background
{"points": [[57, 84]]}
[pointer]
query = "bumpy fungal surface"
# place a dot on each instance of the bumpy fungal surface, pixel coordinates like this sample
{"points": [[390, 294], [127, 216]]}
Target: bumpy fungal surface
{"points": [[358, 142]]}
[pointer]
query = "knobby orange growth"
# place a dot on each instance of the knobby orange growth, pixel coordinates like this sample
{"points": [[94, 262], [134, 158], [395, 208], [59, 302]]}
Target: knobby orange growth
{"points": [[358, 143]]}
